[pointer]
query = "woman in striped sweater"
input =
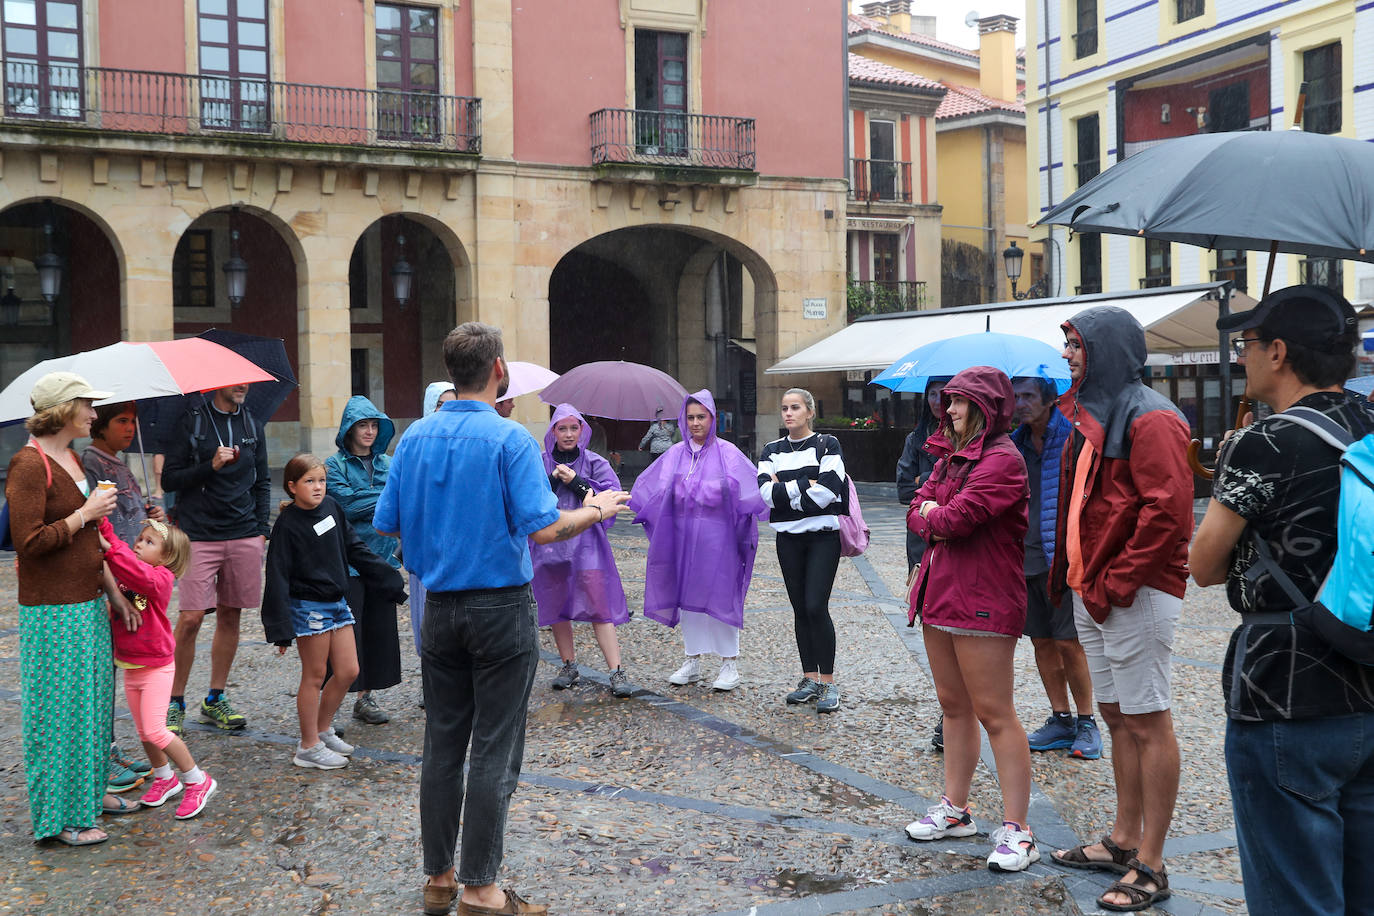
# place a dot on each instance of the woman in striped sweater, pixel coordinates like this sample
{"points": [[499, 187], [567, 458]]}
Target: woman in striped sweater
{"points": [[802, 479]]}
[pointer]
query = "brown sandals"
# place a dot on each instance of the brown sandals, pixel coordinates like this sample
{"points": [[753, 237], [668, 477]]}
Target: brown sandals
{"points": [[1140, 897], [1077, 858]]}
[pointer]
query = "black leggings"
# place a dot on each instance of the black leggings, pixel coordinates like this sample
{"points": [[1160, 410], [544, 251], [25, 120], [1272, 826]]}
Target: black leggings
{"points": [[809, 562]]}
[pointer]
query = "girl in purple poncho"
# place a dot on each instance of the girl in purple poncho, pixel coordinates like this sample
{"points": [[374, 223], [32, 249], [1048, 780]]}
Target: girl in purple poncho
{"points": [[576, 579], [698, 503]]}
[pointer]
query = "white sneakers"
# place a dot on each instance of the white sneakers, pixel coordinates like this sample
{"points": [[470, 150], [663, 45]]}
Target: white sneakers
{"points": [[1013, 848], [336, 744], [728, 679], [942, 820], [690, 673]]}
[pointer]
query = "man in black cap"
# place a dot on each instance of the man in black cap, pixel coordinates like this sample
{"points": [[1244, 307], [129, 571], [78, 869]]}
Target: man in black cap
{"points": [[1300, 715]]}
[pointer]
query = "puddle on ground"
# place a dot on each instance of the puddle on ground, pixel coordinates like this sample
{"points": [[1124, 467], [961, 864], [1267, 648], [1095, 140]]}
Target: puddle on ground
{"points": [[807, 883]]}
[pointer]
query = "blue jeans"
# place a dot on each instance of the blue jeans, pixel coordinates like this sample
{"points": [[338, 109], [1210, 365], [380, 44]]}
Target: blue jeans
{"points": [[480, 650], [1303, 794]]}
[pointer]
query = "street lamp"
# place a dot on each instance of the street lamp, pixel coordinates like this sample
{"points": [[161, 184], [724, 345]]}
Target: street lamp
{"points": [[49, 268], [1011, 257], [236, 268], [401, 273]]}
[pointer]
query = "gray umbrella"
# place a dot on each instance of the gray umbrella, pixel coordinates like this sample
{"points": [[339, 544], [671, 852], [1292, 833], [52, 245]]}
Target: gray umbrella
{"points": [[1292, 191]]}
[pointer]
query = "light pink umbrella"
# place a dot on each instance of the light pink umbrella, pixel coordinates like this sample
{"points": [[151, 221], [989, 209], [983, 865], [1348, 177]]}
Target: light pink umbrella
{"points": [[617, 390], [527, 378]]}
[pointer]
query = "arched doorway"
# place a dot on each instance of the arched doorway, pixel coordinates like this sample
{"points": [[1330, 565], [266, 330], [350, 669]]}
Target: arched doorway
{"points": [[395, 347], [84, 314], [693, 303]]}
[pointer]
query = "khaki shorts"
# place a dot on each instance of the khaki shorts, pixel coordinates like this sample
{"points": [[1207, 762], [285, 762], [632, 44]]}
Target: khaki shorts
{"points": [[222, 574], [1130, 655]]}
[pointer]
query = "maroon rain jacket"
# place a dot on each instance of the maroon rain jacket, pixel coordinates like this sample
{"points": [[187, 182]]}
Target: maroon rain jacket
{"points": [[973, 574]]}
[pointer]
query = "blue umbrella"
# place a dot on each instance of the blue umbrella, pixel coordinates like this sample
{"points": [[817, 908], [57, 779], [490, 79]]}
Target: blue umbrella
{"points": [[1364, 385], [1015, 355]]}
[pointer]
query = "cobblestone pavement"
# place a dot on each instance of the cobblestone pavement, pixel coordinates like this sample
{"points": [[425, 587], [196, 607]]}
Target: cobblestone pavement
{"points": [[680, 800]]}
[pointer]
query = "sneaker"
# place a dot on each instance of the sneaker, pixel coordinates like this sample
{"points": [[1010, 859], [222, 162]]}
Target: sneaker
{"points": [[829, 699], [1057, 733], [336, 744], [1087, 744], [161, 790], [566, 677], [807, 690], [319, 757], [937, 737], [141, 767], [194, 799], [728, 679], [689, 673], [620, 684], [176, 715], [122, 779], [1013, 849], [366, 709], [942, 820], [221, 714]]}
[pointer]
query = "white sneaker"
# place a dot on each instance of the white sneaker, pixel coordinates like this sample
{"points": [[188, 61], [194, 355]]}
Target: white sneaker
{"points": [[319, 757], [1013, 849], [336, 744], [728, 679], [942, 820], [689, 673]]}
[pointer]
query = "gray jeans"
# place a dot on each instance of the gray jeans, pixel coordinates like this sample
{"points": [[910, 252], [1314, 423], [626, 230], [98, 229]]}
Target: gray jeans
{"points": [[480, 651]]}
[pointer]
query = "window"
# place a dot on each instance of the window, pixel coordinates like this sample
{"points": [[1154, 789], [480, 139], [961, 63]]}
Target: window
{"points": [[233, 64], [885, 253], [408, 63], [1321, 70], [1189, 9], [1231, 265], [1089, 152], [42, 49], [1089, 263], [358, 371], [1228, 108], [661, 86], [1088, 167], [882, 160], [1158, 264], [193, 275], [1085, 39], [1322, 272]]}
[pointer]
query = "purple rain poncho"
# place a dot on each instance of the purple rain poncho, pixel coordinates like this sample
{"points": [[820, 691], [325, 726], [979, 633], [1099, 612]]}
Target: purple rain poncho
{"points": [[698, 508], [576, 579]]}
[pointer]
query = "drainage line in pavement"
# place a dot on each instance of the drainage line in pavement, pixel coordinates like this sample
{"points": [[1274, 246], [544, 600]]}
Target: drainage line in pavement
{"points": [[878, 895]]}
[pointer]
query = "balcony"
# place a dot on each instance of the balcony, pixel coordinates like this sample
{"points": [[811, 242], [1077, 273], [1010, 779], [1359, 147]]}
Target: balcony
{"points": [[178, 104], [672, 139], [1157, 280], [1322, 272], [883, 297], [1237, 274], [873, 180]]}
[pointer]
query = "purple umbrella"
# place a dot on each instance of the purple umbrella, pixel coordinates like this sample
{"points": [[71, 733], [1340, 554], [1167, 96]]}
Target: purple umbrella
{"points": [[616, 390]]}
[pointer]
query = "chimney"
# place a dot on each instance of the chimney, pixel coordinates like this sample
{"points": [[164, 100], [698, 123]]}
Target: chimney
{"points": [[997, 57], [895, 14]]}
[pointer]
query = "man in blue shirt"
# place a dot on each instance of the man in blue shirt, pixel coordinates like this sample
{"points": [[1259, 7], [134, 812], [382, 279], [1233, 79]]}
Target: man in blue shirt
{"points": [[465, 491]]}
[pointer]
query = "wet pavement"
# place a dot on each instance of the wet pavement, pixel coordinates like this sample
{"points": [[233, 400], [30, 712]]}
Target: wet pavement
{"points": [[680, 800]]}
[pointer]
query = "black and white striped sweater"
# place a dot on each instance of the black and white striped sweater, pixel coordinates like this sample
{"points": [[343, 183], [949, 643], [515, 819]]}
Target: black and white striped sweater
{"points": [[797, 505]]}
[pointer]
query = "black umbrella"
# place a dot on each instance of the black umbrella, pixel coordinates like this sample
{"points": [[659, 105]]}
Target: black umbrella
{"points": [[157, 418]]}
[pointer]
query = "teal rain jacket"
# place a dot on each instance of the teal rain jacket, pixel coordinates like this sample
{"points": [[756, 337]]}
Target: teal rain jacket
{"points": [[353, 487]]}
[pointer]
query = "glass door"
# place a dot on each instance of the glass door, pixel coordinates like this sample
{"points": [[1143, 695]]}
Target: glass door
{"points": [[42, 42], [234, 65], [407, 72]]}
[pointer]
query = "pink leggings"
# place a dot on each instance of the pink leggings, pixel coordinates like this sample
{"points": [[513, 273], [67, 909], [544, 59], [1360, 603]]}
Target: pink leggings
{"points": [[148, 691]]}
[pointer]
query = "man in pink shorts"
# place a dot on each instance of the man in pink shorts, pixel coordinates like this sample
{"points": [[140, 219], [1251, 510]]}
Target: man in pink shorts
{"points": [[217, 465]]}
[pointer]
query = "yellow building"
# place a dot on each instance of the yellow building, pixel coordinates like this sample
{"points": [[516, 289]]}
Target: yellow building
{"points": [[979, 138]]}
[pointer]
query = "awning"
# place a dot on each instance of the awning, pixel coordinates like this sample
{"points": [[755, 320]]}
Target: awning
{"points": [[1174, 318]]}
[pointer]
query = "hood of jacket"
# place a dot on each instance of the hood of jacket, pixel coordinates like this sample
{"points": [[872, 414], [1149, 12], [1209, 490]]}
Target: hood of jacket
{"points": [[360, 408], [1111, 391], [990, 390], [561, 412], [432, 393], [702, 397]]}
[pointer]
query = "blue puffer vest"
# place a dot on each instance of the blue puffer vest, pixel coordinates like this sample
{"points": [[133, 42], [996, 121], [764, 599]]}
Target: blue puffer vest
{"points": [[1056, 434]]}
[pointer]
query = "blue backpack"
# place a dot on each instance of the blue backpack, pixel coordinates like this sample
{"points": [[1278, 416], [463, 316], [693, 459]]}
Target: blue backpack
{"points": [[1343, 611]]}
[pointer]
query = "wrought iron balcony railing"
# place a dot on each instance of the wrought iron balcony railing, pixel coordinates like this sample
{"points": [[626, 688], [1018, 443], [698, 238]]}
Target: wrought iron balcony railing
{"points": [[1157, 280], [672, 138], [1326, 272], [880, 179], [149, 102], [883, 297], [1237, 274]]}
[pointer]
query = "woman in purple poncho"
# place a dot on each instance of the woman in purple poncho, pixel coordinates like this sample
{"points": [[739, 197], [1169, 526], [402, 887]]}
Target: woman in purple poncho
{"points": [[698, 503], [576, 579]]}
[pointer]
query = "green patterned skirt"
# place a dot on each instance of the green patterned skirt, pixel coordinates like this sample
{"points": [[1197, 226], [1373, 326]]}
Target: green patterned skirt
{"points": [[64, 653]]}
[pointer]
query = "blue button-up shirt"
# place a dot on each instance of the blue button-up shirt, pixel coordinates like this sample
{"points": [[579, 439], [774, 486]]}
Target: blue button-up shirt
{"points": [[465, 490]]}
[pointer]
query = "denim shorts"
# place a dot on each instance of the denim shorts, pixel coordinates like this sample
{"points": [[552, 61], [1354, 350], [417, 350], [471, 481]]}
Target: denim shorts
{"points": [[312, 618]]}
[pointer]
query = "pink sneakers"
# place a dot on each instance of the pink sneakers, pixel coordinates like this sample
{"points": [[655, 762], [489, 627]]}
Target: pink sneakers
{"points": [[161, 790], [193, 802]]}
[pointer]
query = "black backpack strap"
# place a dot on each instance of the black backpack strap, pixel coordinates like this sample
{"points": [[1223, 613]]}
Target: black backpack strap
{"points": [[1265, 563], [1318, 423]]}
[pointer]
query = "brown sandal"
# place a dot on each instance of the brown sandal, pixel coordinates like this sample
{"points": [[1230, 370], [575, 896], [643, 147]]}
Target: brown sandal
{"points": [[1077, 858], [1140, 897]]}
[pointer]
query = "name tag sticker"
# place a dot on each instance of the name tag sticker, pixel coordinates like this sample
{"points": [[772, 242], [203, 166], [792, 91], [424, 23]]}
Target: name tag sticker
{"points": [[324, 525]]}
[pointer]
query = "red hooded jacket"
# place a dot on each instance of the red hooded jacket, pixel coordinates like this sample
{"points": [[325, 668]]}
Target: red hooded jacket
{"points": [[973, 573]]}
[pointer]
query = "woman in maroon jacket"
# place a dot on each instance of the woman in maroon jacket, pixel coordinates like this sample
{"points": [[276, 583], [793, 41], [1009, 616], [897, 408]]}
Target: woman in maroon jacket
{"points": [[971, 597]]}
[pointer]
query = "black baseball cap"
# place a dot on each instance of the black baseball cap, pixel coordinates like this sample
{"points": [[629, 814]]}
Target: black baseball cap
{"points": [[1313, 316]]}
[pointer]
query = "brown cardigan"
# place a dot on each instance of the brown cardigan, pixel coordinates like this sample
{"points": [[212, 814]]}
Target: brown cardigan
{"points": [[55, 566]]}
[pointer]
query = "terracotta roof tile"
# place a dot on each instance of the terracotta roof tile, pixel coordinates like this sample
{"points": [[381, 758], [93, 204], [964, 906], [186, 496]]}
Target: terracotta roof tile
{"points": [[965, 100], [871, 71]]}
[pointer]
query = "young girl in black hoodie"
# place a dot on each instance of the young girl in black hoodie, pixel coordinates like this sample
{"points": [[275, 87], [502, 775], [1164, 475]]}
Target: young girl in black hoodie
{"points": [[308, 559]]}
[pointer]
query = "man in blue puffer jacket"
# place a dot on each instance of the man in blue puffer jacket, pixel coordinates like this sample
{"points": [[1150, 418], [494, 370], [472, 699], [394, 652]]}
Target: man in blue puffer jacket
{"points": [[1058, 654]]}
